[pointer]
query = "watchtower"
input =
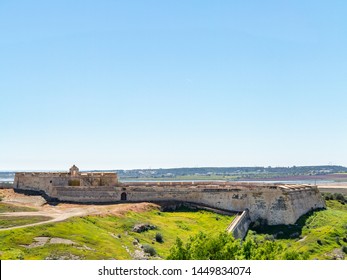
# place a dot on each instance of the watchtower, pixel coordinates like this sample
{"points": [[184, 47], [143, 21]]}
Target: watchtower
{"points": [[74, 171]]}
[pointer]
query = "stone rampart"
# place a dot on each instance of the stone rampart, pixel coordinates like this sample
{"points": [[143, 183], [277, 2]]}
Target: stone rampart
{"points": [[275, 203]]}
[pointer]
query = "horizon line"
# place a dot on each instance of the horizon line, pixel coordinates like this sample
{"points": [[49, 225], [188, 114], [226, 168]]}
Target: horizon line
{"points": [[269, 166]]}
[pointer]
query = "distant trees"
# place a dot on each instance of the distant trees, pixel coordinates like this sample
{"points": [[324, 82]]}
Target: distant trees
{"points": [[224, 247], [335, 196]]}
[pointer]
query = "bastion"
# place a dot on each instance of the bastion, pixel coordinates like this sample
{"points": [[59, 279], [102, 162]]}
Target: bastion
{"points": [[273, 203]]}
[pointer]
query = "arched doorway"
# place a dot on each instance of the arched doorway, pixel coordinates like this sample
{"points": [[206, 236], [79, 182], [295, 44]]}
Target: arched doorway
{"points": [[123, 196]]}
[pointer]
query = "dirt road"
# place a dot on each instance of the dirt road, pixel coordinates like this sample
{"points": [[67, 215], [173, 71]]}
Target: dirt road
{"points": [[64, 211]]}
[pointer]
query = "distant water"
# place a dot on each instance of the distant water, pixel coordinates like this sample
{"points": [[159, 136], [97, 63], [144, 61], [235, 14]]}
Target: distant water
{"points": [[304, 182], [164, 180], [6, 180], [299, 182]]}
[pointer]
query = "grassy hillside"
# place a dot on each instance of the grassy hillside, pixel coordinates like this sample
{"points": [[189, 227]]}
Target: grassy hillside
{"points": [[7, 222], [317, 235], [5, 207], [321, 234], [109, 237]]}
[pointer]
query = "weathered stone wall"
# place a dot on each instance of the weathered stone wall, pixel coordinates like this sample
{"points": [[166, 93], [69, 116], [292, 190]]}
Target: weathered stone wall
{"points": [[40, 181], [276, 203], [305, 199], [240, 225]]}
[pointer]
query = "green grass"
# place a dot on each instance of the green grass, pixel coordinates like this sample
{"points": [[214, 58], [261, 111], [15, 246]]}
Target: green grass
{"points": [[6, 222], [319, 234], [4, 207], [97, 237]]}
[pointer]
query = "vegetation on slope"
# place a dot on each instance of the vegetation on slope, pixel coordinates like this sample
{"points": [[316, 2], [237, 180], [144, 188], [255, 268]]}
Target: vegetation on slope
{"points": [[321, 234], [223, 246], [5, 208], [7, 222], [317, 235], [110, 237]]}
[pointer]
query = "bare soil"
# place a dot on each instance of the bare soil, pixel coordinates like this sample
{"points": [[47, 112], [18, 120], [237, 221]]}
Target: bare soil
{"points": [[64, 211]]}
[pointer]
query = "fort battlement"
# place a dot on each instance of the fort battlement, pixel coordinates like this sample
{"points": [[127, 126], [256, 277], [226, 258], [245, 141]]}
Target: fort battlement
{"points": [[275, 203]]}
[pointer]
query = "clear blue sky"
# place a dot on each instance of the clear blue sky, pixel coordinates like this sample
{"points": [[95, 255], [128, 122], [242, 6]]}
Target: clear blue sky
{"points": [[139, 84]]}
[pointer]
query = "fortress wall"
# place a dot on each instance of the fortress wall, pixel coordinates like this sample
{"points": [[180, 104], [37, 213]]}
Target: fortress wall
{"points": [[98, 179], [263, 203], [83, 194], [277, 204], [109, 179], [41, 180], [306, 200], [31, 181], [273, 205]]}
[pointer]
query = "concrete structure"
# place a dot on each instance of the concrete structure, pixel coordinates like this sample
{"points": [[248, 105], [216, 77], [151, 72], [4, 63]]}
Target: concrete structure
{"points": [[275, 203]]}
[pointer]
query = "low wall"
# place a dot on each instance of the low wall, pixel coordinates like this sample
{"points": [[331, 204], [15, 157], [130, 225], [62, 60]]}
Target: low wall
{"points": [[239, 226]]}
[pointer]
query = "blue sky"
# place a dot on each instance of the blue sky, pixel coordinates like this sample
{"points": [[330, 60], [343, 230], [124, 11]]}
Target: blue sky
{"points": [[149, 84]]}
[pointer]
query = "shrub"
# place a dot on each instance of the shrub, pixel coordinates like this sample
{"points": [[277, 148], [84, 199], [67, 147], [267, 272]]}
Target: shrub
{"points": [[344, 249], [148, 249], [159, 237], [339, 197], [328, 196], [336, 196], [224, 247], [337, 239], [269, 237]]}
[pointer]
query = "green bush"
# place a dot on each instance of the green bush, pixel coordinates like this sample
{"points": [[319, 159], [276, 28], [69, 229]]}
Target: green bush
{"points": [[149, 250], [159, 237], [336, 196], [224, 247], [339, 197]]}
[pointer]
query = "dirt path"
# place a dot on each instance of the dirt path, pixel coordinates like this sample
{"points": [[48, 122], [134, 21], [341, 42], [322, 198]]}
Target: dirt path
{"points": [[57, 216], [64, 211]]}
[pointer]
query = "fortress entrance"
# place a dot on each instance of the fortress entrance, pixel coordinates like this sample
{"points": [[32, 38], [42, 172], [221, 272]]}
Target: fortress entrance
{"points": [[123, 196]]}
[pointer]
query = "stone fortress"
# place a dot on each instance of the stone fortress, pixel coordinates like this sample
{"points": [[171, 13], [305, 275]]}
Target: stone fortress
{"points": [[275, 203]]}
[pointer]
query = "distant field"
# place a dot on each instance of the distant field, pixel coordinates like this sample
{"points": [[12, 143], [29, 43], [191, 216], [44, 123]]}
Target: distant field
{"points": [[341, 177], [110, 237]]}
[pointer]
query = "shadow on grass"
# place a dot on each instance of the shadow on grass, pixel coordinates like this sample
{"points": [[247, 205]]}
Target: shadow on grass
{"points": [[180, 208], [283, 231]]}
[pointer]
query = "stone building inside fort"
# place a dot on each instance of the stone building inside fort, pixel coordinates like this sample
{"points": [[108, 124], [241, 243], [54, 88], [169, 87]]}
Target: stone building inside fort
{"points": [[73, 178]]}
